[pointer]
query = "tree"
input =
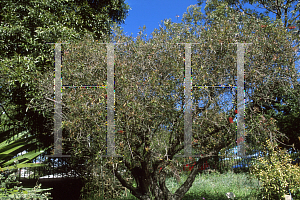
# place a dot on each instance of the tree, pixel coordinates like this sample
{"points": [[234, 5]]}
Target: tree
{"points": [[282, 10], [25, 26], [148, 88], [285, 111]]}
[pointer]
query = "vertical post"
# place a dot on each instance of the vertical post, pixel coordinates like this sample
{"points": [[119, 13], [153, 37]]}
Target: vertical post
{"points": [[57, 105], [240, 100], [188, 120], [110, 89], [110, 101]]}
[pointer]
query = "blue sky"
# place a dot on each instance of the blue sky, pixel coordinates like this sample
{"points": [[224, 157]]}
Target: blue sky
{"points": [[151, 13]]}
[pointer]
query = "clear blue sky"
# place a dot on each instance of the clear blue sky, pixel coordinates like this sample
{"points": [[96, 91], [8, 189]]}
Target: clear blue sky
{"points": [[151, 13]]}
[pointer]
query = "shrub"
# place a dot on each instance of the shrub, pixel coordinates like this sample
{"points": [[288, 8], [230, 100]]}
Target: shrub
{"points": [[276, 174], [9, 189]]}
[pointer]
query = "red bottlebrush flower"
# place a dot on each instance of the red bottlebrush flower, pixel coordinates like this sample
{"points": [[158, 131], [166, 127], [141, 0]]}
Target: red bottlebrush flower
{"points": [[185, 168], [230, 120], [292, 27], [241, 139], [120, 131], [263, 26]]}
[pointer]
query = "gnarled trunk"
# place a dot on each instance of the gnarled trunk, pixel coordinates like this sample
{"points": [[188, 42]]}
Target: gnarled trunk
{"points": [[152, 186]]}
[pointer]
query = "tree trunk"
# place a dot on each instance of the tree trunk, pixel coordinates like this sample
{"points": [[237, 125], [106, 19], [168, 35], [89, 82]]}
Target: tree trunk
{"points": [[152, 186]]}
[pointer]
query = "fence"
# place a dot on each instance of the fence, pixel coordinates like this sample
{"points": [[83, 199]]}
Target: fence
{"points": [[231, 163], [60, 167], [55, 168]]}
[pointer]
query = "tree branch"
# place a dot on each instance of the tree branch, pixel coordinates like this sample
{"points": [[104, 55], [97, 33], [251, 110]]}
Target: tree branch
{"points": [[54, 101], [188, 183], [7, 114], [264, 6], [242, 9], [124, 182]]}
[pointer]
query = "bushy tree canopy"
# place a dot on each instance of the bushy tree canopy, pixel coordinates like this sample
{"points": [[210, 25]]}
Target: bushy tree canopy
{"points": [[149, 86], [284, 106]]}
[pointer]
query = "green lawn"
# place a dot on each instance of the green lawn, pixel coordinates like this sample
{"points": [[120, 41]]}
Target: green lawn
{"points": [[215, 186]]}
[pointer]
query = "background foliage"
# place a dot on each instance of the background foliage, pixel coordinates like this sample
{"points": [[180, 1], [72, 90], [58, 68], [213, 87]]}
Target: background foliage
{"points": [[276, 174], [25, 27]]}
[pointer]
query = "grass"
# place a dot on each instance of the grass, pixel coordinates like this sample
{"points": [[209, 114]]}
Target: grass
{"points": [[214, 186]]}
